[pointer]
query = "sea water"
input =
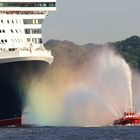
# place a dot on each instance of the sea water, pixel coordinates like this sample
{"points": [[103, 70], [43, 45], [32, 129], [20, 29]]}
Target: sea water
{"points": [[71, 133]]}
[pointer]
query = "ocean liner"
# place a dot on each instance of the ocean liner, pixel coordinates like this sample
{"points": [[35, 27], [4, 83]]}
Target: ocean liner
{"points": [[21, 52]]}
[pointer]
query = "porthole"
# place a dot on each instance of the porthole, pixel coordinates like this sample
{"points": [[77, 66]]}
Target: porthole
{"points": [[3, 31], [12, 21], [2, 41], [11, 30], [5, 40], [7, 21], [0, 31]]}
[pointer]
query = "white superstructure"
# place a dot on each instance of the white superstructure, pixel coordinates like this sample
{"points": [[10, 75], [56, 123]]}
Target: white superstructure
{"points": [[20, 29]]}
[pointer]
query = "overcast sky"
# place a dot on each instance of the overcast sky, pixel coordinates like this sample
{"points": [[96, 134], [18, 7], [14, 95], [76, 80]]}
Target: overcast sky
{"points": [[93, 21]]}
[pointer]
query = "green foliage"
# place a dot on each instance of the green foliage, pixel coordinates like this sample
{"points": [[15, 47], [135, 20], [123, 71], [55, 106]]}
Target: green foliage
{"points": [[130, 50]]}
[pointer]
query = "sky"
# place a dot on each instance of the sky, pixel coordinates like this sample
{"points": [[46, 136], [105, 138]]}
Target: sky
{"points": [[93, 21]]}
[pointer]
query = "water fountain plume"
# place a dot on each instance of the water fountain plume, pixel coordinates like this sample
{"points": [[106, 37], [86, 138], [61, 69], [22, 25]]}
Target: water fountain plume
{"points": [[94, 92], [129, 76]]}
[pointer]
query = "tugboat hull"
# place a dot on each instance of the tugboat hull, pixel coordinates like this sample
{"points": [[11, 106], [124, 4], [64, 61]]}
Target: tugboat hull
{"points": [[128, 119]]}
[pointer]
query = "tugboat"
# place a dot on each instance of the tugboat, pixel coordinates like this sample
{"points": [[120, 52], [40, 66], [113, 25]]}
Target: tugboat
{"points": [[129, 118]]}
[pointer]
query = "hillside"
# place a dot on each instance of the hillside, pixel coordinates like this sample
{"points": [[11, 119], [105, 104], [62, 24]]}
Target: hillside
{"points": [[78, 54], [130, 50]]}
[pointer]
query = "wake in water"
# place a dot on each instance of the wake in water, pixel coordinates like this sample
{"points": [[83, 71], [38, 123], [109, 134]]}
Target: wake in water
{"points": [[94, 93]]}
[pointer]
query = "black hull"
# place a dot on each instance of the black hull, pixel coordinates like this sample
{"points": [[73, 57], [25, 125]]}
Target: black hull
{"points": [[14, 76]]}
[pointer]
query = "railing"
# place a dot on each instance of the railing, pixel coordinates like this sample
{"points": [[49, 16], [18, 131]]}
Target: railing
{"points": [[4, 51], [29, 48], [23, 12], [25, 53]]}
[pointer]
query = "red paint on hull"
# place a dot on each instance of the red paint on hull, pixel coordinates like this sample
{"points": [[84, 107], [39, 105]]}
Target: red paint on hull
{"points": [[128, 118], [9, 122]]}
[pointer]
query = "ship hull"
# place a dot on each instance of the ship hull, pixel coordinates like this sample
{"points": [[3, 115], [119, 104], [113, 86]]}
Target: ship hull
{"points": [[11, 122], [15, 77], [127, 121]]}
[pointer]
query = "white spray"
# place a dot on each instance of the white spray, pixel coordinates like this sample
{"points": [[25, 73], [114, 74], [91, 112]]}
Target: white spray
{"points": [[95, 93], [129, 76]]}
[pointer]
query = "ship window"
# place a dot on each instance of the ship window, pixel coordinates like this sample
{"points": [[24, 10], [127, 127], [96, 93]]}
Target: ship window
{"points": [[51, 4], [47, 4], [11, 49], [32, 21], [33, 40], [16, 31], [27, 31], [11, 30], [36, 21], [36, 31], [2, 41], [40, 40], [40, 21], [5, 40], [12, 21], [7, 21], [2, 31], [36, 40], [27, 21], [28, 39], [1, 4], [16, 21], [44, 5], [1, 21]]}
